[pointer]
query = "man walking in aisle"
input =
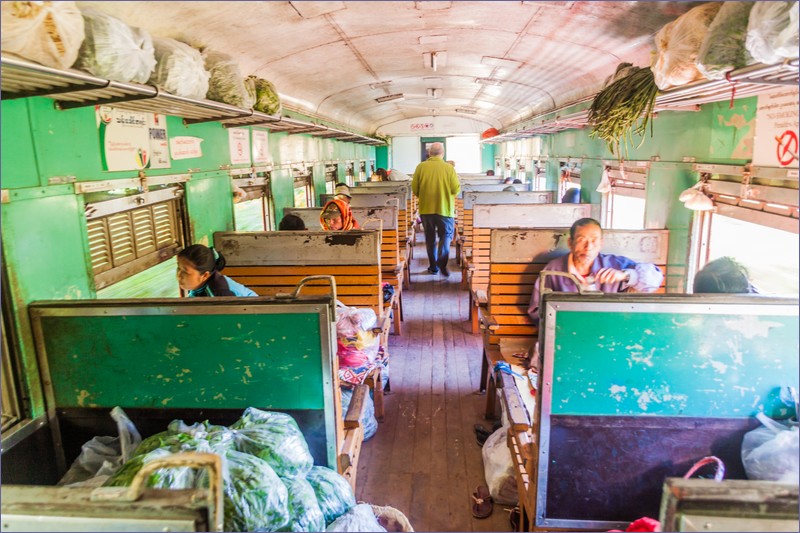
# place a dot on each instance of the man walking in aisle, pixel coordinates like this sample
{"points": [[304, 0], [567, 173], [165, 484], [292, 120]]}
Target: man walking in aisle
{"points": [[436, 184]]}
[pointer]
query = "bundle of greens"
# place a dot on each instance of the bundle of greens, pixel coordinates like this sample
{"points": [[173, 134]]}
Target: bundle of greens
{"points": [[724, 49], [623, 109], [267, 99], [304, 511], [226, 83], [334, 493]]}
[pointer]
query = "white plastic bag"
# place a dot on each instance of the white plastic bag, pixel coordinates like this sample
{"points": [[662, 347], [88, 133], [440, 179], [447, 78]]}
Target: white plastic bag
{"points": [[396, 175], [359, 518], [226, 83], [368, 420], [114, 50], [498, 467], [772, 452], [357, 345], [723, 48], [49, 33], [677, 45], [179, 69], [772, 32]]}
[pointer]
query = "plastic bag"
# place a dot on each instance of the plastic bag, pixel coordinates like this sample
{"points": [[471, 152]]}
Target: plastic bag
{"points": [[723, 49], [498, 468], [772, 32], [114, 50], [267, 99], [357, 345], [275, 438], [179, 69], [304, 511], [226, 83], [163, 478], [368, 420], [771, 453], [677, 45], [255, 498], [334, 493], [359, 518], [49, 33], [396, 175]]}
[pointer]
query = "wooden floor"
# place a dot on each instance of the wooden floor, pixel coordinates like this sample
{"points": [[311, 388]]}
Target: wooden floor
{"points": [[424, 459]]}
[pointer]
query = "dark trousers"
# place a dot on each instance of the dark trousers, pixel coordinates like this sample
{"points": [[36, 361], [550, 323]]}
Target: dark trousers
{"points": [[443, 227]]}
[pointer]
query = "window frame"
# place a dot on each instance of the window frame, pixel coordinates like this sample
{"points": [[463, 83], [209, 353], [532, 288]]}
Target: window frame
{"points": [[628, 179], [349, 173], [257, 186], [304, 177], [331, 177]]}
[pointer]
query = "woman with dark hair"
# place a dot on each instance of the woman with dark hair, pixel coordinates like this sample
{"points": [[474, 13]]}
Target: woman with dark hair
{"points": [[723, 275], [337, 216], [292, 223], [199, 274], [382, 174]]}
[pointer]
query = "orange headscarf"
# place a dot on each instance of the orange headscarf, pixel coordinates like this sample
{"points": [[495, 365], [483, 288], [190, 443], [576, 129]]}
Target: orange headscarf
{"points": [[348, 222]]}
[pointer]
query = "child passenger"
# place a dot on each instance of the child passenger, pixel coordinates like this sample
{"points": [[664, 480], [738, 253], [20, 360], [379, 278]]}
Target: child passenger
{"points": [[199, 274]]}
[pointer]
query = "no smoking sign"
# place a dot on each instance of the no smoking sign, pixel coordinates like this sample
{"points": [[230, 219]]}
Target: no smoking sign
{"points": [[787, 148]]}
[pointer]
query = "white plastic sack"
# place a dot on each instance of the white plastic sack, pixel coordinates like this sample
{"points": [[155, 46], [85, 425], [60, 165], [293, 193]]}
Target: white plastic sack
{"points": [[772, 32], [396, 175], [360, 518], [179, 69], [772, 452], [226, 83], [114, 50], [49, 33], [677, 45], [357, 345], [368, 420], [723, 48], [498, 468]]}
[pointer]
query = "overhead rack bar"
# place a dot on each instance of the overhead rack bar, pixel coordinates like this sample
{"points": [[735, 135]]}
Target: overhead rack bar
{"points": [[71, 88], [747, 81]]}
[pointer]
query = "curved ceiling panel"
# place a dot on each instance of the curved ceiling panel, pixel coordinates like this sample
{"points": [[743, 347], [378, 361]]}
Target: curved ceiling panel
{"points": [[497, 62]]}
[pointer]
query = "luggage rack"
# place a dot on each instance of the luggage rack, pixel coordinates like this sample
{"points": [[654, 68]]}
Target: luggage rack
{"points": [[72, 88], [747, 81]]}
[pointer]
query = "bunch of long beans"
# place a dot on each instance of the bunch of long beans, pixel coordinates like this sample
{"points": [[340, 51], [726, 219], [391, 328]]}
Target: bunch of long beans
{"points": [[616, 110]]}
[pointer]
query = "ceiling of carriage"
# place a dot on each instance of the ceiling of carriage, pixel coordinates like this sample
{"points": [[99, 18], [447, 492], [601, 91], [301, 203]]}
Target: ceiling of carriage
{"points": [[496, 62]]}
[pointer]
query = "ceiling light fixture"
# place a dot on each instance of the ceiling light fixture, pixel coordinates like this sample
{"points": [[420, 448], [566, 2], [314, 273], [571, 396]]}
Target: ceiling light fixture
{"points": [[467, 110], [434, 93], [390, 97]]}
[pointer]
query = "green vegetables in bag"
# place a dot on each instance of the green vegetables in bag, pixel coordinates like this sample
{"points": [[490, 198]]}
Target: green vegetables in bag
{"points": [[275, 438], [723, 48], [303, 507], [267, 99], [163, 478], [334, 493]]}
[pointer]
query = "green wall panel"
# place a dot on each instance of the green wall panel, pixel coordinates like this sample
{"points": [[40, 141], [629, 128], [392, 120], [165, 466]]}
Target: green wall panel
{"points": [[382, 157], [282, 185], [732, 131], [487, 156], [16, 144], [670, 364], [215, 145], [210, 205], [319, 181], [186, 361]]}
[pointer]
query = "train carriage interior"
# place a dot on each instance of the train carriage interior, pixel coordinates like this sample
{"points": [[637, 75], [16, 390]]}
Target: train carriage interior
{"points": [[243, 289]]}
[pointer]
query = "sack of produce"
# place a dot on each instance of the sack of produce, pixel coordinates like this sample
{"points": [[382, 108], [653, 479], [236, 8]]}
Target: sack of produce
{"points": [[275, 438], [219, 438], [368, 420], [114, 50], [357, 345], [255, 498], [304, 511], [334, 494], [226, 83], [677, 45], [164, 478], [723, 49], [772, 452], [359, 518], [49, 33], [772, 32], [179, 69], [267, 99], [498, 467]]}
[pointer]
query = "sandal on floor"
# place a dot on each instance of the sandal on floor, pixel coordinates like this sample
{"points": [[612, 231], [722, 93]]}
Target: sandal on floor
{"points": [[481, 502]]}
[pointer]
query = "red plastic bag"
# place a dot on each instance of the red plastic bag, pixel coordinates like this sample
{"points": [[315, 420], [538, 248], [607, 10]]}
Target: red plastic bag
{"points": [[491, 132]]}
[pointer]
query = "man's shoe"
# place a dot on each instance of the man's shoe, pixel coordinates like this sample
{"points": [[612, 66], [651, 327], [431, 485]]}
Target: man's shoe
{"points": [[445, 273], [432, 271]]}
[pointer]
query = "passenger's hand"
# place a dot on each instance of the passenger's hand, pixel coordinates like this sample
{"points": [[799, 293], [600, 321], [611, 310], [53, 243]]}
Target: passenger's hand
{"points": [[609, 275]]}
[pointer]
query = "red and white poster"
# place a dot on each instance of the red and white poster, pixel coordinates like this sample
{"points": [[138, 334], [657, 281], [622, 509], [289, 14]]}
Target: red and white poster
{"points": [[776, 138], [239, 141]]}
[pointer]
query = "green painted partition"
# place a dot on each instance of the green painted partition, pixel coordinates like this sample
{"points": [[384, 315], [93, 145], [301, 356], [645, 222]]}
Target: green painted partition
{"points": [[198, 355]]}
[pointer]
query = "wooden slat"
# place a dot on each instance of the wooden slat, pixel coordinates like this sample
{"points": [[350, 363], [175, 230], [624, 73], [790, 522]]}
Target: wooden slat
{"points": [[300, 270]]}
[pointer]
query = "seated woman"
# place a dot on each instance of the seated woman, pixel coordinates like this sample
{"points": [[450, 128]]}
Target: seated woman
{"points": [[337, 216], [380, 175], [723, 275], [199, 274], [292, 223]]}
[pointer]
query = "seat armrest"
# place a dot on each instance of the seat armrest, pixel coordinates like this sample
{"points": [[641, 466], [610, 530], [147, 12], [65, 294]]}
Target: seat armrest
{"points": [[355, 411]]}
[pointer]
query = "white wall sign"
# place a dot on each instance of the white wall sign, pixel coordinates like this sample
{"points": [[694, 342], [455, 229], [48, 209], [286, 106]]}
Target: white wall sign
{"points": [[776, 137], [421, 126], [130, 140], [185, 147], [239, 143], [260, 147]]}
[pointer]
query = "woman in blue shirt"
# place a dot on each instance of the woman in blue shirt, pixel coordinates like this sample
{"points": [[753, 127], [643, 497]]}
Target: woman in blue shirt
{"points": [[199, 274]]}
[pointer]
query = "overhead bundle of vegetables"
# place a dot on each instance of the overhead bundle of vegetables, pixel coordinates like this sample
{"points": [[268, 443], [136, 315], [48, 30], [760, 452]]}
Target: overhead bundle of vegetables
{"points": [[723, 49], [267, 99], [623, 109]]}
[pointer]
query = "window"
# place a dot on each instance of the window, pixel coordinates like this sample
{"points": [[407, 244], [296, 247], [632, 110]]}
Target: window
{"points": [[538, 175], [331, 177], [569, 176], [625, 204], [362, 171], [349, 174], [465, 150], [303, 187], [125, 240], [255, 211]]}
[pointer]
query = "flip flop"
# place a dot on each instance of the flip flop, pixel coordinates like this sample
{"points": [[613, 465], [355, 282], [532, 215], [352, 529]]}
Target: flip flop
{"points": [[482, 504]]}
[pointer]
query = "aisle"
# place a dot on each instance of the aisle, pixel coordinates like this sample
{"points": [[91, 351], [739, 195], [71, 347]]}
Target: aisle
{"points": [[424, 459]]}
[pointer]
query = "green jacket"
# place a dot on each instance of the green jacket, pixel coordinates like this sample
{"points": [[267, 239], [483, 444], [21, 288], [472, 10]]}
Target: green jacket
{"points": [[436, 184]]}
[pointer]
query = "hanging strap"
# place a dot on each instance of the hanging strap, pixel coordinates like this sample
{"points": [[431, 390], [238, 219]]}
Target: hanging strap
{"points": [[705, 461]]}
